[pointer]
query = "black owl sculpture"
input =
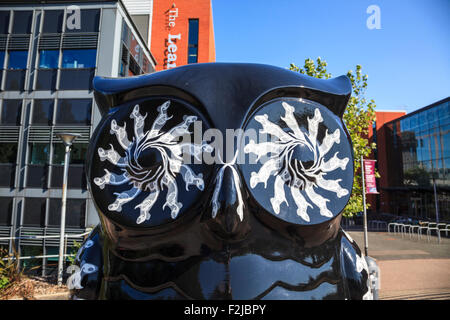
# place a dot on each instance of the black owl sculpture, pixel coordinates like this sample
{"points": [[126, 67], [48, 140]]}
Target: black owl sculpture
{"points": [[220, 181]]}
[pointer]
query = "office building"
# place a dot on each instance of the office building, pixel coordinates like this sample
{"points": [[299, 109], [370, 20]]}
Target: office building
{"points": [[413, 156], [49, 53]]}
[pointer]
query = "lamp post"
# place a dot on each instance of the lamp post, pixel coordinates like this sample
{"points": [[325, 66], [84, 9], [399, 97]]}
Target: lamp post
{"points": [[366, 238], [67, 139]]}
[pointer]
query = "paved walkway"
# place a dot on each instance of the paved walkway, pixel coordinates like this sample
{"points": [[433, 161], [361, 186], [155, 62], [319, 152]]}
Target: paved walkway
{"points": [[410, 268]]}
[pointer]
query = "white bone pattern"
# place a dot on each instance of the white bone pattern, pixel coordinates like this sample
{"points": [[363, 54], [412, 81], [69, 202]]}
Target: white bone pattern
{"points": [[286, 171], [153, 181]]}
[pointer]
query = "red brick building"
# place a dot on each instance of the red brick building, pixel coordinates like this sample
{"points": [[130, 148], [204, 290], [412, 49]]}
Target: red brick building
{"points": [[380, 203], [182, 32]]}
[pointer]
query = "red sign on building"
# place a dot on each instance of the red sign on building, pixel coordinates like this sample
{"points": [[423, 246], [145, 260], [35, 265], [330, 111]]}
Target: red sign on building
{"points": [[182, 33], [369, 176]]}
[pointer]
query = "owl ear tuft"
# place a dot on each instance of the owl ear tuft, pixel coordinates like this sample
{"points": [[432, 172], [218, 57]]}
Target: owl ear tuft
{"points": [[103, 97], [342, 87]]}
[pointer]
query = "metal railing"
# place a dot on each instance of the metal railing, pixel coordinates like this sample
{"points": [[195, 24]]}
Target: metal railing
{"points": [[421, 227], [37, 237]]}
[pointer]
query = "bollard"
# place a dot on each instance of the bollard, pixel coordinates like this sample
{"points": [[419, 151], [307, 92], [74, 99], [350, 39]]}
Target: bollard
{"points": [[374, 276]]}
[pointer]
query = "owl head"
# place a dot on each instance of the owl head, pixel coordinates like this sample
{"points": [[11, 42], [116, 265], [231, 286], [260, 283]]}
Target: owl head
{"points": [[231, 147]]}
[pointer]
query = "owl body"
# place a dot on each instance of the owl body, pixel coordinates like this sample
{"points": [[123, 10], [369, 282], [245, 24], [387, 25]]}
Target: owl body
{"points": [[220, 181]]}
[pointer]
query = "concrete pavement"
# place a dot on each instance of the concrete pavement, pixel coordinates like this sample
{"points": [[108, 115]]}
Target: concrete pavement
{"points": [[410, 268]]}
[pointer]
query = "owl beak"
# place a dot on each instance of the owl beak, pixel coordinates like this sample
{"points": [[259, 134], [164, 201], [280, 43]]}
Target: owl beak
{"points": [[228, 217]]}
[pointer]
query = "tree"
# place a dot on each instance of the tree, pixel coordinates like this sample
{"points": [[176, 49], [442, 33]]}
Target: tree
{"points": [[358, 117]]}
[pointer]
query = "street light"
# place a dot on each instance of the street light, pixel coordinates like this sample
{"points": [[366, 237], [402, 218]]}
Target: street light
{"points": [[67, 139]]}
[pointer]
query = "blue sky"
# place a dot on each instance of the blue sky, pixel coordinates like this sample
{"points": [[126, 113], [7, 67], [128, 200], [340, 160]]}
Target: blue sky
{"points": [[407, 60]]}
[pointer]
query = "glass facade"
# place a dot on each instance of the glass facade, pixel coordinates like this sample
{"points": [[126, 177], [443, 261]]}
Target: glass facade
{"points": [[418, 155]]}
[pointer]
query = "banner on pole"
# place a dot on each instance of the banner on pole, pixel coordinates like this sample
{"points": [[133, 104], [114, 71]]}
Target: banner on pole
{"points": [[369, 176]]}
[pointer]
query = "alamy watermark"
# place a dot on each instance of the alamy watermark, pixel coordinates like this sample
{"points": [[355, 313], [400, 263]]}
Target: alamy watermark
{"points": [[73, 21], [374, 20]]}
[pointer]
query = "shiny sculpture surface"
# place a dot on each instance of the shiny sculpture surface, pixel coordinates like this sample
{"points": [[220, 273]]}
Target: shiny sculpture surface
{"points": [[188, 212]]}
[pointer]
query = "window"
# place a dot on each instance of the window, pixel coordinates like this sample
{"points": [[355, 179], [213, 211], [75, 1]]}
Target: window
{"points": [[79, 58], [18, 59], [123, 68], [48, 59], [4, 22], [8, 153], [193, 41], [445, 138], [37, 171], [53, 20], [42, 112], [46, 79], [22, 22], [39, 153], [135, 50], [11, 112], [77, 174], [76, 79], [6, 206], [77, 153], [444, 113], [134, 67], [34, 212], [34, 264], [8, 158], [126, 34], [145, 65], [75, 213], [2, 59], [74, 111]]}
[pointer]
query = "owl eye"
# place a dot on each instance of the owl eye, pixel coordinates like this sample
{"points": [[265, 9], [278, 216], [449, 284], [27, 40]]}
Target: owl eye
{"points": [[142, 168], [303, 172]]}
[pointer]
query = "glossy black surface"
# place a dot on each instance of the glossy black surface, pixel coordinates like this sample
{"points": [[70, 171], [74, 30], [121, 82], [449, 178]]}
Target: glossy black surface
{"points": [[226, 241]]}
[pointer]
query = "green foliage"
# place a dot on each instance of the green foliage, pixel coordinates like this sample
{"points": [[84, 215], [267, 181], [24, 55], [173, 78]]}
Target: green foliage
{"points": [[358, 117], [9, 270], [4, 281], [73, 251]]}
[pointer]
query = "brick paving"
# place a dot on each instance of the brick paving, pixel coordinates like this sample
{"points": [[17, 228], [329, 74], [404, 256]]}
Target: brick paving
{"points": [[411, 269]]}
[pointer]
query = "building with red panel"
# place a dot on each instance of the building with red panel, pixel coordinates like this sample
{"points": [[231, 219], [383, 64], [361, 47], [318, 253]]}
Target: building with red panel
{"points": [[413, 159], [377, 134], [182, 32]]}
